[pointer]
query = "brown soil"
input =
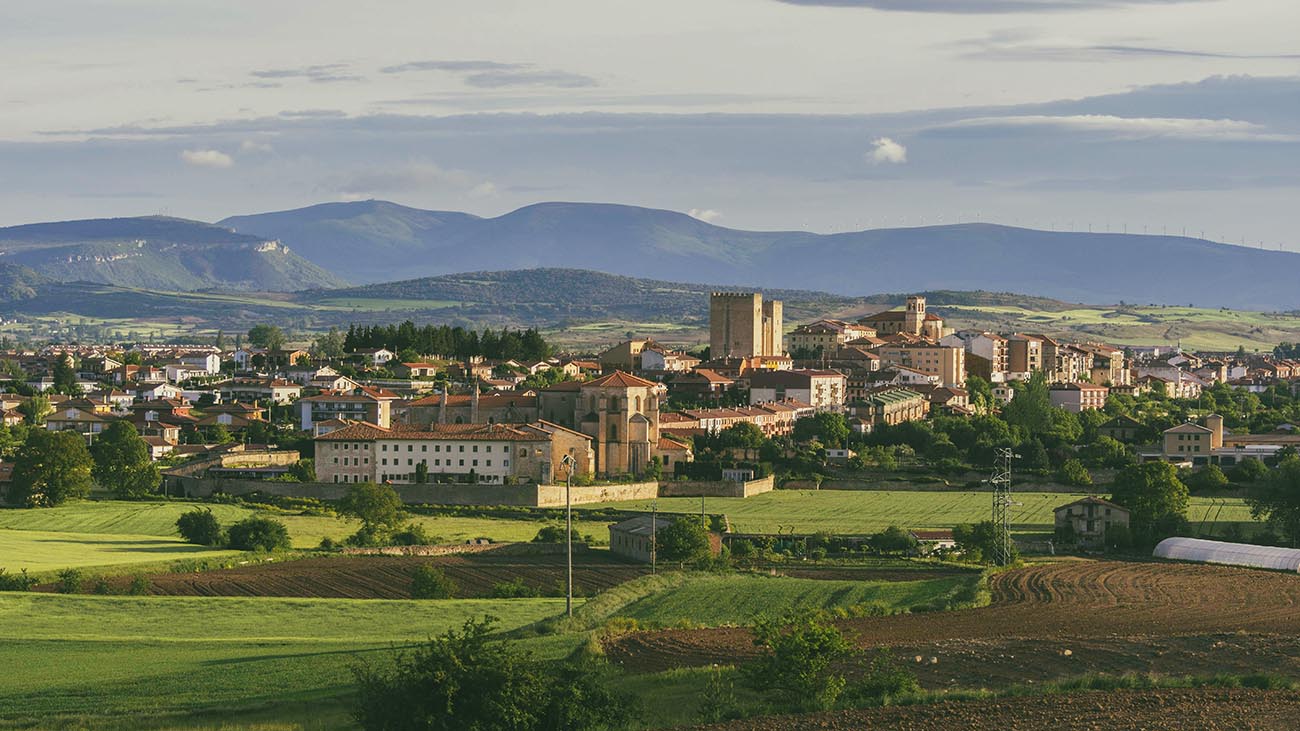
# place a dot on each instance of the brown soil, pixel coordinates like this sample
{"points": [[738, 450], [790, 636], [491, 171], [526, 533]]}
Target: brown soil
{"points": [[1054, 620], [1162, 710], [389, 577]]}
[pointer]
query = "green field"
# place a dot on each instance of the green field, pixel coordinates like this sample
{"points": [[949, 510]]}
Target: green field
{"points": [[106, 533], [129, 655], [750, 597], [868, 511]]}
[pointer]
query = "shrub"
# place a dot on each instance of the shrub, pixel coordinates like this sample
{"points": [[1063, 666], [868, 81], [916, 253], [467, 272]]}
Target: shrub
{"points": [[200, 526], [718, 702], [796, 662], [514, 589], [16, 582], [327, 544], [554, 534], [412, 534], [742, 548], [431, 582], [139, 585], [884, 679], [258, 534], [69, 581], [101, 586], [892, 540]]}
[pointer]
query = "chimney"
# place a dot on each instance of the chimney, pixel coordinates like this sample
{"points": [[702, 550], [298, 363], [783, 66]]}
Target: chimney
{"points": [[473, 400], [442, 405], [1214, 423]]}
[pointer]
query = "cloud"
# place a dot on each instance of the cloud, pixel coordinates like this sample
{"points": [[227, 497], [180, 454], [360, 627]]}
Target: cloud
{"points": [[497, 74], [557, 79], [886, 151], [207, 158], [455, 66], [1022, 45], [708, 215], [320, 74], [1113, 127], [979, 7], [410, 177], [249, 146]]}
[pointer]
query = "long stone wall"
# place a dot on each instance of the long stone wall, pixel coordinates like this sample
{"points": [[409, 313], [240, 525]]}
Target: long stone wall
{"points": [[538, 496]]}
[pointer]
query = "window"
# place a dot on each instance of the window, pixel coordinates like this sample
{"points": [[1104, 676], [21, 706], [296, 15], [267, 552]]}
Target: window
{"points": [[384, 448], [410, 447], [424, 447], [489, 463], [462, 448], [475, 463], [475, 448], [408, 463], [462, 463]]}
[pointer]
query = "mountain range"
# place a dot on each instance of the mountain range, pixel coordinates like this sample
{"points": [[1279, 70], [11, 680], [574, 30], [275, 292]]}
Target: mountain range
{"points": [[366, 242], [157, 252]]}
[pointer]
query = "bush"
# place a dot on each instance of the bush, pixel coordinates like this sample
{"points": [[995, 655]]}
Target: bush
{"points": [[139, 585], [514, 589], [796, 664], [412, 534], [258, 534], [431, 582], [69, 582], [101, 586], [884, 679], [200, 526], [892, 540], [554, 534], [16, 582], [1074, 473]]}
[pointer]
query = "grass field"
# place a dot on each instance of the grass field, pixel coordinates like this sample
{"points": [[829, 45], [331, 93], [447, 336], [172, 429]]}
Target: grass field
{"points": [[148, 655], [750, 597], [45, 551], [114, 532], [859, 512]]}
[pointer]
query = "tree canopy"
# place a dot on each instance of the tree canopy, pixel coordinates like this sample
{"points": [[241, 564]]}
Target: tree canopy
{"points": [[1157, 500], [123, 463], [51, 468]]}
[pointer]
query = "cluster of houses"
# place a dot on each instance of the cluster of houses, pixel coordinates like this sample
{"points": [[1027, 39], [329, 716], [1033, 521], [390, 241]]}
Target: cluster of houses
{"points": [[406, 422]]}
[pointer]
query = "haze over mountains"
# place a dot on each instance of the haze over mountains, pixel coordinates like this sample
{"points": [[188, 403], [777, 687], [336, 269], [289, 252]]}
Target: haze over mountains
{"points": [[366, 242], [374, 241]]}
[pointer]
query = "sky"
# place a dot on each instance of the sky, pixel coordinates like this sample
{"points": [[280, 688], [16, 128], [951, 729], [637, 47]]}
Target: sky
{"points": [[827, 115]]}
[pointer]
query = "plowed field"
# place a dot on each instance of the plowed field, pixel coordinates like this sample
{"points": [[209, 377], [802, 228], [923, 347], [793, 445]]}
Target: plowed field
{"points": [[1159, 710], [389, 577], [1110, 616]]}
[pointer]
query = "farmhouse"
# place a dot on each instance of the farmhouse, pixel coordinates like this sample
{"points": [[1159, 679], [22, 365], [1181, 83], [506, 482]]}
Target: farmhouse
{"points": [[478, 453], [1088, 519], [633, 538]]}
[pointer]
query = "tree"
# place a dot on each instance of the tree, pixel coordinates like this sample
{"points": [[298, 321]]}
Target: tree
{"points": [[378, 507], [979, 542], [743, 435], [200, 526], [1208, 479], [123, 462], [65, 376], [35, 409], [1107, 452], [1276, 500], [828, 428], [892, 540], [465, 680], [682, 540], [1249, 470], [1156, 499], [304, 470], [1074, 473], [50, 468], [268, 337], [258, 534], [797, 660], [330, 345], [421, 472], [430, 582]]}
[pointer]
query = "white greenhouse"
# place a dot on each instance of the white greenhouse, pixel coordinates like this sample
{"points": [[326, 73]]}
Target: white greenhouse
{"points": [[1230, 554]]}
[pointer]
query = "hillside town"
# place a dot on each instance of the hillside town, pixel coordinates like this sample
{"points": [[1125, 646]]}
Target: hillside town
{"points": [[633, 407]]}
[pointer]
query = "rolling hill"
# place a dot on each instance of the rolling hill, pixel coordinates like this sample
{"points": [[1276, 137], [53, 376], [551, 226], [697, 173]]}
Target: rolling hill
{"points": [[158, 253], [372, 241]]}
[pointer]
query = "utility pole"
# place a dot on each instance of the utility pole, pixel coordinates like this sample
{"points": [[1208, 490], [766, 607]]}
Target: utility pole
{"points": [[1001, 482], [571, 463]]}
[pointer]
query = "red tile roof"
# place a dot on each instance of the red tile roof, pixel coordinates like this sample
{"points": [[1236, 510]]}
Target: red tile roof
{"points": [[619, 379]]}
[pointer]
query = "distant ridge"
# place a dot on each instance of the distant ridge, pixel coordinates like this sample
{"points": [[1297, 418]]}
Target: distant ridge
{"points": [[376, 241], [157, 252]]}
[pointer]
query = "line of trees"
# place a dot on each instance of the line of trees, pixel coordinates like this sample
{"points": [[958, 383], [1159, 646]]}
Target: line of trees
{"points": [[505, 344]]}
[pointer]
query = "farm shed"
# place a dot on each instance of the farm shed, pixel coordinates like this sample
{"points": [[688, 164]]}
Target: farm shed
{"points": [[1231, 554]]}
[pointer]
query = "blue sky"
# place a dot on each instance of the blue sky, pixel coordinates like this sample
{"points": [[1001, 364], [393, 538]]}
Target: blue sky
{"points": [[778, 114]]}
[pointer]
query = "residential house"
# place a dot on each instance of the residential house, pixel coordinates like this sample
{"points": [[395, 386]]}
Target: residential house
{"points": [[626, 356], [1088, 519], [825, 336], [948, 363], [1078, 397], [374, 357], [266, 390], [824, 390], [890, 406], [370, 405]]}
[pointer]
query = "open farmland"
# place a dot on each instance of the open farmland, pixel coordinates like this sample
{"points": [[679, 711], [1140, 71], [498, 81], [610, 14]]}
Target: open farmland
{"points": [[152, 655], [389, 577], [869, 511], [1141, 710], [1059, 619], [129, 532]]}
